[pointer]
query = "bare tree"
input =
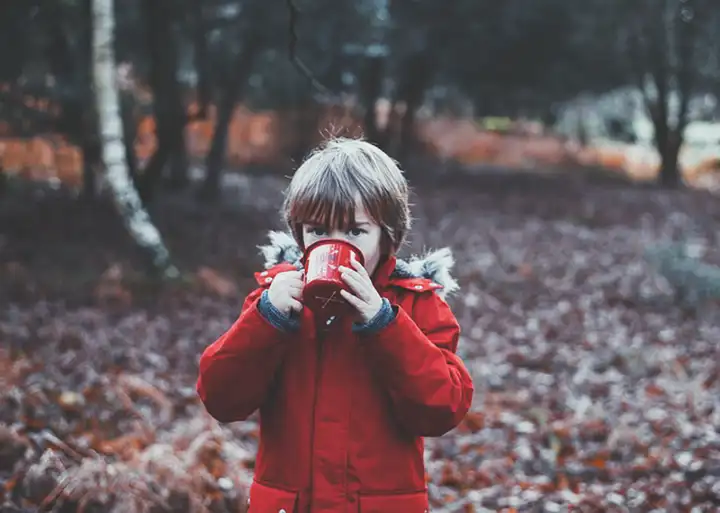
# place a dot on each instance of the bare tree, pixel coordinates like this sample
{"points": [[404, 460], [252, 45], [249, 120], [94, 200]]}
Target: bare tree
{"points": [[168, 106], [666, 40], [123, 192], [233, 85]]}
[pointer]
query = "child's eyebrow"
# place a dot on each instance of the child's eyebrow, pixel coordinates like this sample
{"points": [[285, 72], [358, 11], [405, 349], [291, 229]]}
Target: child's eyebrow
{"points": [[313, 226]]}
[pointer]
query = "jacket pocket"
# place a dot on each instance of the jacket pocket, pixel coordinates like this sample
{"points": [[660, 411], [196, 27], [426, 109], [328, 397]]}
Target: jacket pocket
{"points": [[398, 503], [265, 499]]}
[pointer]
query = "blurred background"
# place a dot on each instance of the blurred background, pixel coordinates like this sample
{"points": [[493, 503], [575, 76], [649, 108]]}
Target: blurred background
{"points": [[568, 152]]}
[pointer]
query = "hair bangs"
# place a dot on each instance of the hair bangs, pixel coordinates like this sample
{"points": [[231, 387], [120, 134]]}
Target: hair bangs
{"points": [[329, 202]]}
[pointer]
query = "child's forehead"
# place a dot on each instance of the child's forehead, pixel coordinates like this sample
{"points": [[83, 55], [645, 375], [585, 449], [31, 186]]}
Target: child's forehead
{"points": [[322, 213], [329, 222], [352, 218]]}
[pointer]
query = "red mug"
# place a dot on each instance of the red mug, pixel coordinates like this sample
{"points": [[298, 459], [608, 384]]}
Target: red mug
{"points": [[323, 282]]}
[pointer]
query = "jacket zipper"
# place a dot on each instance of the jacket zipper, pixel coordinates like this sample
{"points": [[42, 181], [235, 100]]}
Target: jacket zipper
{"points": [[320, 334]]}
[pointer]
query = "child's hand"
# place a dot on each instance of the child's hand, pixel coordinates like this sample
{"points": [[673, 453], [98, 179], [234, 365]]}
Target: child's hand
{"points": [[285, 293], [366, 300]]}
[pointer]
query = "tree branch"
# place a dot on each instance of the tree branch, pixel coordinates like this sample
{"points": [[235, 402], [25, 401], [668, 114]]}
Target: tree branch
{"points": [[638, 41], [292, 50], [687, 41]]}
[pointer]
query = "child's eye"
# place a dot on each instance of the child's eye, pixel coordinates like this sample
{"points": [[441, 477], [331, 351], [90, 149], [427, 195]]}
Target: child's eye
{"points": [[356, 232], [316, 230]]}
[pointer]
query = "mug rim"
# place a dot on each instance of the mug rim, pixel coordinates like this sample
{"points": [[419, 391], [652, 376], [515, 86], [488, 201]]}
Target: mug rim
{"points": [[324, 242]]}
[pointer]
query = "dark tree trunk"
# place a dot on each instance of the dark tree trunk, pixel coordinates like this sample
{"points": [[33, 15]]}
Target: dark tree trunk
{"points": [[151, 175], [371, 91], [232, 92], [202, 59], [90, 134], [670, 169], [305, 130], [71, 62], [170, 116], [668, 138], [13, 40], [91, 153], [416, 76], [669, 134]]}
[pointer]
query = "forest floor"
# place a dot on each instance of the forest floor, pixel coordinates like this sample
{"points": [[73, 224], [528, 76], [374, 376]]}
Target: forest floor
{"points": [[594, 389]]}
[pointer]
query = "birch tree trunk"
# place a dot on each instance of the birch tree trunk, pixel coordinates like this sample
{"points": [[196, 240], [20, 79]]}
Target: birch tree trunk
{"points": [[125, 196]]}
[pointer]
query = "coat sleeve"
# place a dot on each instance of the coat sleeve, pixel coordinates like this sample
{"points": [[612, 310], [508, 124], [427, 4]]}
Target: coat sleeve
{"points": [[237, 370], [429, 386]]}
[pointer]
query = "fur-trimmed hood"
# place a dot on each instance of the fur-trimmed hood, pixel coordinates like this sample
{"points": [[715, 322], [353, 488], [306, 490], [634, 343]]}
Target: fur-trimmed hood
{"points": [[433, 265]]}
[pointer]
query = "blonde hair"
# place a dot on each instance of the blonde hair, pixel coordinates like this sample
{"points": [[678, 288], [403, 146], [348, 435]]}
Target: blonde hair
{"points": [[325, 188]]}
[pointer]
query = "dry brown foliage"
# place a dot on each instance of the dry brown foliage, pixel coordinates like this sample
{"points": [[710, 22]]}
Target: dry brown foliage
{"points": [[594, 390]]}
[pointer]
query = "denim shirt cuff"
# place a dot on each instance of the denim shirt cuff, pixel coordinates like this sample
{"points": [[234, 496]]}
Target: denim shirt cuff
{"points": [[384, 317], [274, 316]]}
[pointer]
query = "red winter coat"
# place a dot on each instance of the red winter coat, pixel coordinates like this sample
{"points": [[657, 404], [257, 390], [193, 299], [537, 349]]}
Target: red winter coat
{"points": [[342, 418]]}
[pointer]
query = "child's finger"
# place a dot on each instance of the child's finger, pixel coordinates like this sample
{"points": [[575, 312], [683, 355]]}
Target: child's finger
{"points": [[346, 271], [359, 267], [356, 283], [351, 272], [353, 300], [295, 305]]}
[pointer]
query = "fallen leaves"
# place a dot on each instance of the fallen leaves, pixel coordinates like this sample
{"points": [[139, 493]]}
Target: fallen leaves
{"points": [[589, 379], [111, 289], [213, 282], [594, 391]]}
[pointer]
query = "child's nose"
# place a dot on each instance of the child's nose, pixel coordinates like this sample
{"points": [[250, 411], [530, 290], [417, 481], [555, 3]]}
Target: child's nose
{"points": [[338, 235]]}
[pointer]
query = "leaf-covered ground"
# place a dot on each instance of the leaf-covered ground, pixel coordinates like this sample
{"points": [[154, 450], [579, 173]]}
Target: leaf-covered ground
{"points": [[593, 389]]}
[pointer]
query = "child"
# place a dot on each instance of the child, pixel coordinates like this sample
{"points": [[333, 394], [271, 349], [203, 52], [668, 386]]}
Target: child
{"points": [[344, 403]]}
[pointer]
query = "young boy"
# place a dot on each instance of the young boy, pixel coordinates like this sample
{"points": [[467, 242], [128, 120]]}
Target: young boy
{"points": [[344, 402]]}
